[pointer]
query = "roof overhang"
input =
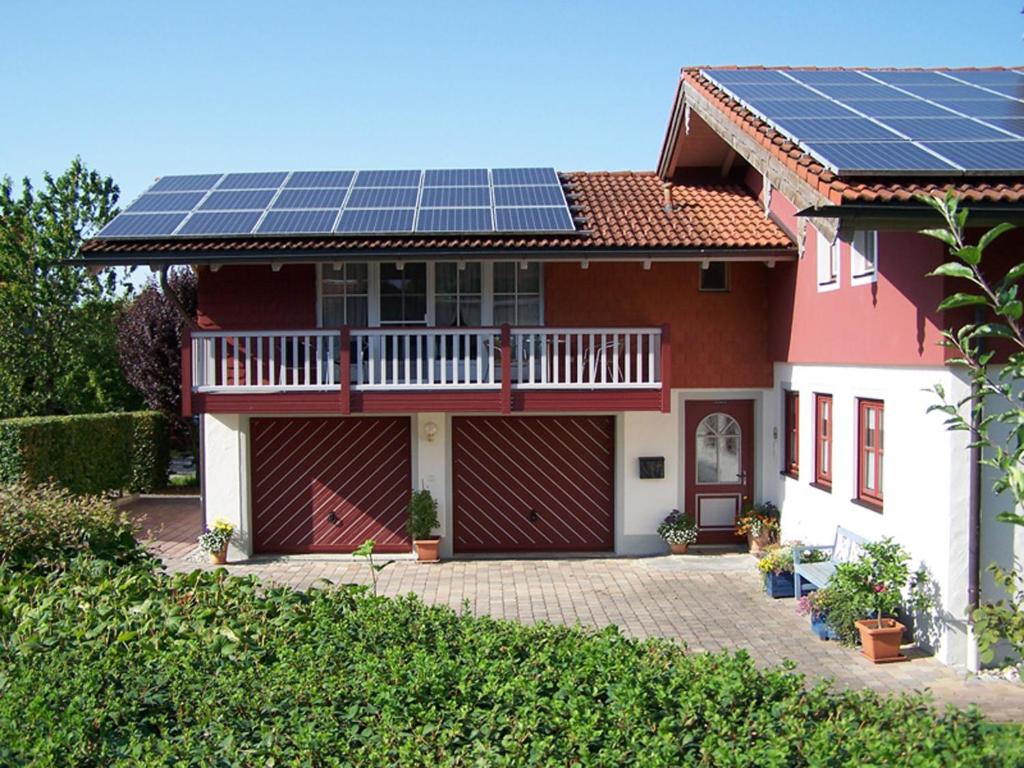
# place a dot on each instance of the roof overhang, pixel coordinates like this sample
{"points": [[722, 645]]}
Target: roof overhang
{"points": [[910, 217]]}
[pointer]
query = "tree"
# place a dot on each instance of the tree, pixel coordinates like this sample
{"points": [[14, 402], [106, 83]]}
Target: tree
{"points": [[57, 343], [149, 337], [993, 413]]}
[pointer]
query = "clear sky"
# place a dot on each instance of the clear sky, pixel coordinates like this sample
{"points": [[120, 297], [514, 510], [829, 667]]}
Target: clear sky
{"points": [[141, 89]]}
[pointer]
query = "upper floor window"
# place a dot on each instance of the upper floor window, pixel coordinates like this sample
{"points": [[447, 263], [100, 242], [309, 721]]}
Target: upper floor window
{"points": [[823, 440], [715, 276], [344, 295], [864, 257], [517, 293], [791, 464], [870, 440], [827, 252], [458, 294], [403, 293]]}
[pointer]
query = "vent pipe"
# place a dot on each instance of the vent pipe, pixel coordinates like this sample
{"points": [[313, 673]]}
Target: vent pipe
{"points": [[666, 191]]}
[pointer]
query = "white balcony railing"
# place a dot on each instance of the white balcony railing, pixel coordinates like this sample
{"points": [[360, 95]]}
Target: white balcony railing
{"points": [[392, 359]]}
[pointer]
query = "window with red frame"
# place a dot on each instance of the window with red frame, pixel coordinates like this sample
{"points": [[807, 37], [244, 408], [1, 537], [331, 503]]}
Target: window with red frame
{"points": [[792, 466], [823, 440], [870, 444]]}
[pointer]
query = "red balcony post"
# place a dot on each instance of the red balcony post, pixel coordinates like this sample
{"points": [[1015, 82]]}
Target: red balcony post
{"points": [[666, 370], [345, 358], [186, 373], [506, 369]]}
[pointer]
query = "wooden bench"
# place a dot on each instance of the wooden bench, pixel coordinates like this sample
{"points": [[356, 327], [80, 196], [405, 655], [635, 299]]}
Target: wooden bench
{"points": [[844, 549]]}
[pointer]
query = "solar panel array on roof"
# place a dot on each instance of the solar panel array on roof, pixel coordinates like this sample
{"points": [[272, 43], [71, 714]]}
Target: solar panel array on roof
{"points": [[900, 122], [457, 200]]}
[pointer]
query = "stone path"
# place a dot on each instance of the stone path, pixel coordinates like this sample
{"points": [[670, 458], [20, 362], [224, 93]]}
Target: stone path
{"points": [[708, 602]]}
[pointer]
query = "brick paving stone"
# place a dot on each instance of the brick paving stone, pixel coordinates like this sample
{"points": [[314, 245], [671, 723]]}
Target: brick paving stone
{"points": [[707, 603]]}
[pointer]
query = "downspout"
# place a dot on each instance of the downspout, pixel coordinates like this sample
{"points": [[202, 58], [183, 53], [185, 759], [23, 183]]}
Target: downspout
{"points": [[974, 517]]}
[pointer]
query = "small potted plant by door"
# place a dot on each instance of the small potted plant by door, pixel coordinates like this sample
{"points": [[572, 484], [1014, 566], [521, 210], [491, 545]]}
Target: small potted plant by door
{"points": [[679, 530], [878, 579], [214, 541], [776, 564], [422, 520], [760, 524]]}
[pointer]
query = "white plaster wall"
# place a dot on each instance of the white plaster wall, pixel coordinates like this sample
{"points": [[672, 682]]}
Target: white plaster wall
{"points": [[926, 474], [226, 477], [644, 503], [430, 468]]}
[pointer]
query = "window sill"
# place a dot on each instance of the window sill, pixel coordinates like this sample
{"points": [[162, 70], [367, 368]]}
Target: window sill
{"points": [[790, 474], [874, 506], [821, 487]]}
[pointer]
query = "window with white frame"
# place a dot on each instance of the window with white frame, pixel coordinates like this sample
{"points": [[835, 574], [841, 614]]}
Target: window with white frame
{"points": [[458, 294], [828, 263], [344, 295], [517, 293], [863, 257]]}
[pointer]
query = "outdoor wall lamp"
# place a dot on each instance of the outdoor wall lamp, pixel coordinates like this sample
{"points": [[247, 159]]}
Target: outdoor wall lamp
{"points": [[430, 431]]}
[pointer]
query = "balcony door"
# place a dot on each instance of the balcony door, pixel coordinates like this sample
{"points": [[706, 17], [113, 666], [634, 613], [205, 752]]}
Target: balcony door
{"points": [[403, 294]]}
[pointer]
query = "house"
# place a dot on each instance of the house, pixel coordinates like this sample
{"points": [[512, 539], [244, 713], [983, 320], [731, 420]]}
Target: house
{"points": [[564, 358]]}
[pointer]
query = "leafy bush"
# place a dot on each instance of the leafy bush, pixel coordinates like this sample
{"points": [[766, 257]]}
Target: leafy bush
{"points": [[88, 453], [131, 666], [422, 515], [45, 527]]}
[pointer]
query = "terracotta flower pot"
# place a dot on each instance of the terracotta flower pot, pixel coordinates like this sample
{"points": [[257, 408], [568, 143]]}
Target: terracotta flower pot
{"points": [[881, 644], [759, 542], [221, 557], [679, 549], [427, 550]]}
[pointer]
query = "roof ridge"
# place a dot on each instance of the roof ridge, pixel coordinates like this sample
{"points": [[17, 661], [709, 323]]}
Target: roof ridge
{"points": [[837, 68]]}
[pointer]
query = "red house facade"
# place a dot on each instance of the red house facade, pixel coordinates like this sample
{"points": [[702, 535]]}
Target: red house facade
{"points": [[758, 325]]}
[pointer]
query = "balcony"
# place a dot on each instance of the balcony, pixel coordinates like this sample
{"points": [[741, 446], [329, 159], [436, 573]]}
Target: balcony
{"points": [[374, 370]]}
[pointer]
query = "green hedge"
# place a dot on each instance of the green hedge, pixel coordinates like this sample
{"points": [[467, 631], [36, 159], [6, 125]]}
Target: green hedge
{"points": [[130, 666], [88, 453]]}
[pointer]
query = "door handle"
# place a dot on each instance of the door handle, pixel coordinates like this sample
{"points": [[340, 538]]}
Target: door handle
{"points": [[742, 477], [332, 518], [533, 516]]}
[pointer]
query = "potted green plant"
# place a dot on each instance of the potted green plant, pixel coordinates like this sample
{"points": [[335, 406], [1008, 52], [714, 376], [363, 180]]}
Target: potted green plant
{"points": [[214, 541], [760, 523], [816, 605], [422, 520], [679, 530], [875, 584], [776, 565]]}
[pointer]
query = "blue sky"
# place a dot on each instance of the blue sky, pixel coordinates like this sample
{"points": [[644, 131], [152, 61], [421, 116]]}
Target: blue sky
{"points": [[150, 88]]}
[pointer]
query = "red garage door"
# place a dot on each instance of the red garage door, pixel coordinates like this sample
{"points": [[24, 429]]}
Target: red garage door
{"points": [[329, 484], [533, 483]]}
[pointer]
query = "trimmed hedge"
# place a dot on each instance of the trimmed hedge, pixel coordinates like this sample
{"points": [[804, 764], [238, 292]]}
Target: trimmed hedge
{"points": [[87, 453], [131, 666]]}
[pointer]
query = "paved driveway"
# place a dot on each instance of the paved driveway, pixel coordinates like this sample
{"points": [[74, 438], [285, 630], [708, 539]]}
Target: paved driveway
{"points": [[709, 602]]}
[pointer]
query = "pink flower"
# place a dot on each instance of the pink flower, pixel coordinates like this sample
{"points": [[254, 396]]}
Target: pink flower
{"points": [[879, 587]]}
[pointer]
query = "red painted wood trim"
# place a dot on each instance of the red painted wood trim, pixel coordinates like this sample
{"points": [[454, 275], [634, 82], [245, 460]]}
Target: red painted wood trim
{"points": [[506, 368], [266, 402], [486, 401], [666, 369], [595, 400], [345, 357], [186, 373]]}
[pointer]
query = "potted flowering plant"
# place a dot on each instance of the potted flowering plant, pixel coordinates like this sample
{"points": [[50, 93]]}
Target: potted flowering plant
{"points": [[816, 605], [760, 524], [679, 530], [214, 541], [776, 564], [422, 520], [875, 583]]}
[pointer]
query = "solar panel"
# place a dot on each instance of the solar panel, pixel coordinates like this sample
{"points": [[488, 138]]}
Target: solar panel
{"points": [[455, 220], [139, 224], [870, 122], [532, 220], [297, 222], [196, 182], [349, 202], [166, 201], [376, 221]]}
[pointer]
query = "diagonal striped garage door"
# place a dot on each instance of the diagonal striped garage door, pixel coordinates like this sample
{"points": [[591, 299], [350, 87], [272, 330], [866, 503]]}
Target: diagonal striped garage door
{"points": [[533, 483], [328, 484]]}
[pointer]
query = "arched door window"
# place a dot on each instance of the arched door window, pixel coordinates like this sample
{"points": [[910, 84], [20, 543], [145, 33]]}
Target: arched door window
{"points": [[718, 449]]}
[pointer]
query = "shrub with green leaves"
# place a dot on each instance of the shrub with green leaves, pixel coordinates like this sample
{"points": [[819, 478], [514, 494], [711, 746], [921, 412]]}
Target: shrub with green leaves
{"points": [[87, 453], [45, 527], [130, 666], [422, 515]]}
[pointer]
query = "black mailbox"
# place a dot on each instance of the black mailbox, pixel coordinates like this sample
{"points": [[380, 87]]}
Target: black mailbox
{"points": [[652, 467]]}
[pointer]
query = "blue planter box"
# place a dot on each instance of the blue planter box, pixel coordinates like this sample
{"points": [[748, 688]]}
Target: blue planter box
{"points": [[821, 628], [781, 585]]}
